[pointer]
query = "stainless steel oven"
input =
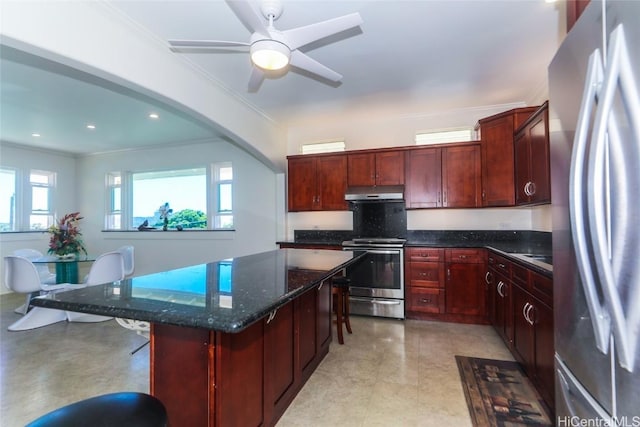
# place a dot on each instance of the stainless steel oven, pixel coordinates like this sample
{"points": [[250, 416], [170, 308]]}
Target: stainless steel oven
{"points": [[377, 280]]}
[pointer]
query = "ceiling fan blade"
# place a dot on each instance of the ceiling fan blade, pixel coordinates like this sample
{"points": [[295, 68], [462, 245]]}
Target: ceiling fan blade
{"points": [[206, 43], [256, 79], [297, 37], [248, 16], [304, 62]]}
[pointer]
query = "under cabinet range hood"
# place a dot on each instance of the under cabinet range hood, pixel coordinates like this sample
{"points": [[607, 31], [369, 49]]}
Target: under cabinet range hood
{"points": [[374, 193]]}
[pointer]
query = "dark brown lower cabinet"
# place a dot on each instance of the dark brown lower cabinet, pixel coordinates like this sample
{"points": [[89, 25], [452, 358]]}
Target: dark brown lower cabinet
{"points": [[533, 344], [464, 284], [521, 311], [249, 378]]}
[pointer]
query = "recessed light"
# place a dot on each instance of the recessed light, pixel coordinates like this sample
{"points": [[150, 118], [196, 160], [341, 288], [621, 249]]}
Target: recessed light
{"points": [[35, 134], [153, 116], [91, 126]]}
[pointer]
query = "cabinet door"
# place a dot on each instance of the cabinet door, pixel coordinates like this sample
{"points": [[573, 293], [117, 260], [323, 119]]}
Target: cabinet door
{"points": [[361, 169], [490, 282], [423, 178], [504, 322], [301, 184], [324, 320], [307, 336], [331, 173], [497, 162], [461, 177], [523, 332], [544, 351], [465, 290], [279, 361], [390, 168], [521, 152], [539, 159]]}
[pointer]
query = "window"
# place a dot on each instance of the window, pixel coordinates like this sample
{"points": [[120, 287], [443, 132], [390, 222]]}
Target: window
{"points": [[42, 184], [7, 200], [195, 198], [445, 136], [323, 147], [184, 190], [223, 218], [114, 200]]}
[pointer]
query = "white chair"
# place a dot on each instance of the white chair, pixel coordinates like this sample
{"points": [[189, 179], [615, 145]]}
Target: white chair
{"points": [[128, 257], [21, 275], [140, 327], [46, 276], [108, 267]]}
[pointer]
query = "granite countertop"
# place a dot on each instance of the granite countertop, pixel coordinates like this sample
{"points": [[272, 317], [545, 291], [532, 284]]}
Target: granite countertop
{"points": [[506, 242], [225, 296]]}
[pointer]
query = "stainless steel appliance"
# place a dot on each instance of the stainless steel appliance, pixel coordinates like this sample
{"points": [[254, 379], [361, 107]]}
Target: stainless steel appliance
{"points": [[377, 281], [595, 166], [374, 193]]}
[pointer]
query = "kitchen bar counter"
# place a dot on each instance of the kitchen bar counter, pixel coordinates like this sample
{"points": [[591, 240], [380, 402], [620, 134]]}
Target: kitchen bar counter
{"points": [[226, 295], [233, 341]]}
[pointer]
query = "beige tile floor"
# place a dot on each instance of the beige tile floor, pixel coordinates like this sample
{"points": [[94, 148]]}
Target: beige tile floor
{"points": [[388, 373]]}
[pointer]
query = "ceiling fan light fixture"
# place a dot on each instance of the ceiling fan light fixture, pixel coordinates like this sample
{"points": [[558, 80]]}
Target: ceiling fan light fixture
{"points": [[270, 54]]}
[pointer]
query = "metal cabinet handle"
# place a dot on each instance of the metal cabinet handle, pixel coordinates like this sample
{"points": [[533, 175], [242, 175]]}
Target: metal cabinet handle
{"points": [[607, 137], [502, 265], [600, 321], [530, 188], [488, 278], [272, 316], [448, 273], [530, 320], [426, 300], [499, 288], [524, 311]]}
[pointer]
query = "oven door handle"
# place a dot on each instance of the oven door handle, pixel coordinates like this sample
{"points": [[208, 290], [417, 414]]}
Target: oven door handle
{"points": [[376, 301], [375, 251]]}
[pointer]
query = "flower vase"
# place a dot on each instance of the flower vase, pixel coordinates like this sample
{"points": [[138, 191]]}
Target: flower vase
{"points": [[166, 224]]}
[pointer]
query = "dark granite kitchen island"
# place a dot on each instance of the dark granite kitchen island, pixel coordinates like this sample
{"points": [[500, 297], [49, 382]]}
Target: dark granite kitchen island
{"points": [[232, 341]]}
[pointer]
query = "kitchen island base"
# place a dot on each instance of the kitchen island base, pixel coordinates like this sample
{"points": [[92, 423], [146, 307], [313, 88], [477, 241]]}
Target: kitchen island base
{"points": [[212, 378]]}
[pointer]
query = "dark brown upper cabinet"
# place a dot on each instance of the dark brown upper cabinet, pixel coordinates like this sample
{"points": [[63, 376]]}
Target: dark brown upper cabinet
{"points": [[383, 168], [317, 183], [531, 146], [496, 135]]}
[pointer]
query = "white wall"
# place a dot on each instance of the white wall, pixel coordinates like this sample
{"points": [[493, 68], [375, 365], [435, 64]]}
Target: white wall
{"points": [[258, 204]]}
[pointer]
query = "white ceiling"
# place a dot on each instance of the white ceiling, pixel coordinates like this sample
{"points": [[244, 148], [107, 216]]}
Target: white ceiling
{"points": [[408, 57]]}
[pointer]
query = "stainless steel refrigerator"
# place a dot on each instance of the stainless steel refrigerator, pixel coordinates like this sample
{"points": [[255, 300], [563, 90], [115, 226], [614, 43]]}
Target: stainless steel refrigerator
{"points": [[595, 173]]}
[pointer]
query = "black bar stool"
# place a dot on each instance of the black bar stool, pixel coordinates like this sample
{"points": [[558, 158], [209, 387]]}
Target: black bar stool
{"points": [[125, 409], [340, 290]]}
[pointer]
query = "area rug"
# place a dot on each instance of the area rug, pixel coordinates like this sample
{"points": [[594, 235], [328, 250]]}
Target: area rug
{"points": [[499, 393]]}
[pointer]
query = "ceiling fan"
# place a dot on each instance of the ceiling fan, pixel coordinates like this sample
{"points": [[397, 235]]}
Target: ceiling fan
{"points": [[271, 49]]}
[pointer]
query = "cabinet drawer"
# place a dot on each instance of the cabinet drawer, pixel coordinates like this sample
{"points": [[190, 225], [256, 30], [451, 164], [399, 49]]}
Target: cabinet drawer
{"points": [[520, 275], [427, 274], [425, 254], [541, 287], [472, 256], [425, 300], [499, 264]]}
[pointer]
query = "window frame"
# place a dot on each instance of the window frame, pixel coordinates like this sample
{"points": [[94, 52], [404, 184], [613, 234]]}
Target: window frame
{"points": [[126, 197]]}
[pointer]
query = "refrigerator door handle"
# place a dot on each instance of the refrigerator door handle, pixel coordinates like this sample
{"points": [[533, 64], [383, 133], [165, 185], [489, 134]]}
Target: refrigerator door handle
{"points": [[572, 391], [619, 74], [600, 320]]}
